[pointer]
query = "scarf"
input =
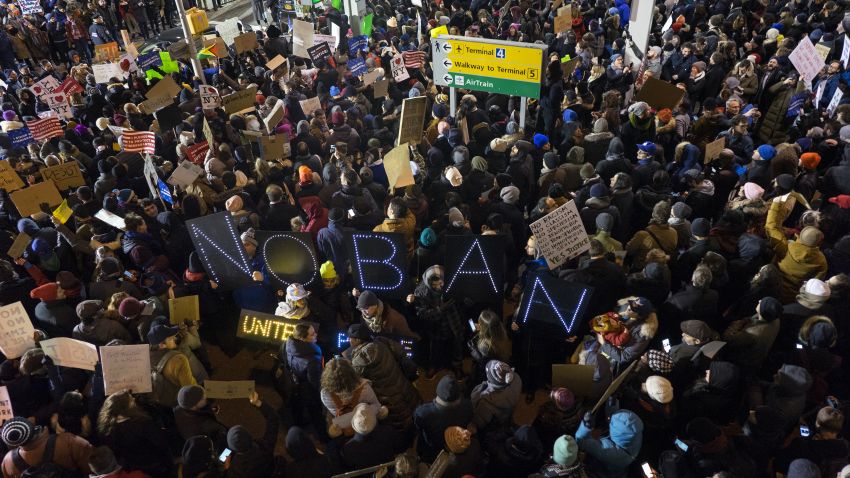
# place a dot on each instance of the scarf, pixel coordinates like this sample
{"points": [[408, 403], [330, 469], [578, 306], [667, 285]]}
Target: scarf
{"points": [[640, 123], [811, 301], [290, 310], [375, 322], [699, 76]]}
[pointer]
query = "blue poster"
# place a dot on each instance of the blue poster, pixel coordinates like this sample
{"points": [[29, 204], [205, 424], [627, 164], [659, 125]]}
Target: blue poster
{"points": [[149, 60], [358, 43], [20, 137], [164, 192], [357, 66]]}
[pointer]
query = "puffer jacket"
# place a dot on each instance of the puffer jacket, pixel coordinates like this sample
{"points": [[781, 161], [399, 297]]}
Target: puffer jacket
{"points": [[610, 456], [787, 394], [377, 362], [494, 407], [642, 333], [797, 262]]}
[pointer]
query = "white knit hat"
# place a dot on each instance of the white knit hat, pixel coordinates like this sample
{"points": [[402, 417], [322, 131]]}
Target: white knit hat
{"points": [[659, 389], [817, 287], [364, 420]]}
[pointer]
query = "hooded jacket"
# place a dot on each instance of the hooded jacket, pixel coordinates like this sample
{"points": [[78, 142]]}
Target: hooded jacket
{"points": [[797, 262], [378, 362], [642, 332], [611, 455], [787, 393], [493, 405]]}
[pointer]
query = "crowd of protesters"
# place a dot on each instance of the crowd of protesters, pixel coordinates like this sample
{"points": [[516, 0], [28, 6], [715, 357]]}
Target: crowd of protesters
{"points": [[720, 286]]}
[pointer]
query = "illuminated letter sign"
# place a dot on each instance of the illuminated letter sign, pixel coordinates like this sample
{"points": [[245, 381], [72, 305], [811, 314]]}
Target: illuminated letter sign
{"points": [[218, 245], [475, 267], [267, 328], [379, 262], [289, 257], [553, 303]]}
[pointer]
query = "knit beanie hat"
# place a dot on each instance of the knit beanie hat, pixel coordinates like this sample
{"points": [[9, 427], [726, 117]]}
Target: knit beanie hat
{"points": [[456, 217], [238, 439], [234, 204], [550, 160], [563, 398], [770, 309], [448, 390], [479, 163], [753, 191], [364, 420], [766, 152], [428, 237], [811, 236], [130, 307], [701, 227], [565, 451], [803, 468], [509, 194], [327, 270], [810, 160], [247, 237], [457, 439], [540, 140], [499, 374], [659, 389], [19, 431], [189, 396], [660, 361], [680, 210], [604, 222], [46, 292], [661, 212], [587, 171]]}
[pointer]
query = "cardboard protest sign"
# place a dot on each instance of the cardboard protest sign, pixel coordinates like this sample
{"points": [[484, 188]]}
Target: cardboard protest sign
{"points": [[267, 328], [229, 30], [245, 42], [139, 142], [65, 176], [16, 330], [106, 52], [806, 59], [659, 94], [289, 257], [563, 23], [71, 353], [151, 106], [276, 62], [397, 166], [185, 174], [378, 261], [6, 412], [220, 389], [113, 220], [475, 268], [9, 179], [197, 153], [310, 105], [63, 212], [210, 99], [30, 7], [20, 137], [371, 77], [302, 38], [104, 72], [169, 117], [320, 52], [126, 367], [128, 44], [275, 116], [181, 309], [615, 385], [553, 305], [27, 200], [380, 89], [164, 87], [45, 128], [413, 112], [19, 245], [219, 247], [205, 128], [577, 378], [275, 147], [713, 149], [239, 101], [45, 86], [561, 235]]}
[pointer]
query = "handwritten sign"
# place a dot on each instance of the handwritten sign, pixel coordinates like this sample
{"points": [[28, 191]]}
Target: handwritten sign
{"points": [[65, 176], [221, 389], [833, 103], [380, 89], [275, 147], [6, 412], [397, 166], [30, 7], [561, 235], [276, 62], [19, 245], [823, 50], [267, 328], [210, 99], [563, 23], [229, 30], [181, 309], [331, 40], [310, 105], [107, 52], [16, 330], [239, 101], [713, 149], [245, 42], [806, 59], [185, 174], [126, 367], [113, 220], [9, 179], [27, 200], [71, 353], [845, 51], [413, 112], [104, 72], [302, 38]]}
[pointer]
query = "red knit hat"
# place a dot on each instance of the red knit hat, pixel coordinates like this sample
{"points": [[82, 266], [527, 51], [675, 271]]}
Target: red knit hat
{"points": [[810, 160], [46, 292], [130, 307]]}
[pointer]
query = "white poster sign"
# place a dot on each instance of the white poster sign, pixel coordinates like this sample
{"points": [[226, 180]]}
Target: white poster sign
{"points": [[6, 412], [71, 353], [399, 71], [833, 103], [58, 102], [16, 330], [126, 367], [560, 235], [806, 60], [210, 99]]}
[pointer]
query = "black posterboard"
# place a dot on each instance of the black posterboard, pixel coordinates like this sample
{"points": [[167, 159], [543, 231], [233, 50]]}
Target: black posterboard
{"points": [[475, 267], [378, 260], [552, 304], [289, 257], [169, 117], [218, 245], [267, 328]]}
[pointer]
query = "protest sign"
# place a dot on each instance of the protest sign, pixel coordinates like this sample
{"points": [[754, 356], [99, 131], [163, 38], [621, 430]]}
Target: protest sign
{"points": [[20, 137], [475, 268], [331, 40], [220, 389], [319, 52], [210, 99], [117, 131], [229, 30], [563, 23], [113, 220], [126, 367], [27, 200], [106, 52], [413, 112], [310, 105], [371, 77], [6, 412], [45, 128], [9, 179], [58, 102], [16, 330], [659, 94], [378, 261], [276, 62], [197, 153], [30, 7], [104, 72], [275, 147], [217, 242], [713, 149], [165, 87], [63, 212], [267, 328], [561, 235], [70, 86], [806, 59], [19, 245], [139, 142], [45, 86], [169, 117], [239, 101], [615, 385], [275, 116], [245, 42], [357, 66], [358, 43], [289, 257], [576, 378], [164, 192], [128, 44], [71, 353], [181, 309], [65, 176], [205, 128], [399, 70], [552, 305], [302, 38], [822, 50], [153, 105], [397, 167], [845, 51], [149, 60], [185, 174], [833, 103], [380, 89]]}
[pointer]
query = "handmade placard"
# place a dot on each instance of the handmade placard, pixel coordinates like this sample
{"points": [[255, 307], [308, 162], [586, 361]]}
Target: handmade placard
{"points": [[378, 260], [126, 367], [561, 235], [475, 268], [552, 304], [220, 249], [267, 328], [289, 257], [16, 330]]}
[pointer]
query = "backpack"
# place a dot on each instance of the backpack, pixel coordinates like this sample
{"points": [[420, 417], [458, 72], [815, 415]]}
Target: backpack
{"points": [[46, 469], [164, 391]]}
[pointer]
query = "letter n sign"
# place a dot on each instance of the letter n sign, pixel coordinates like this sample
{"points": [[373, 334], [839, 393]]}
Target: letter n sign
{"points": [[552, 304], [217, 243], [475, 268], [378, 262]]}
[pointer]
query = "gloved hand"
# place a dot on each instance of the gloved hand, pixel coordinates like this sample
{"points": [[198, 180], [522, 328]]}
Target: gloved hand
{"points": [[589, 419]]}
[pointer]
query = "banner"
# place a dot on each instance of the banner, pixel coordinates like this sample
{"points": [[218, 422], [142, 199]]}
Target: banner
{"points": [[378, 262], [197, 153], [713, 149], [475, 268], [267, 328], [577, 378], [219, 247], [210, 99], [45, 128], [411, 128], [27, 200], [225, 390], [276, 62], [239, 101], [16, 330], [139, 142], [561, 235], [126, 367], [229, 30], [65, 176], [71, 353], [181, 309], [19, 245], [9, 178]]}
